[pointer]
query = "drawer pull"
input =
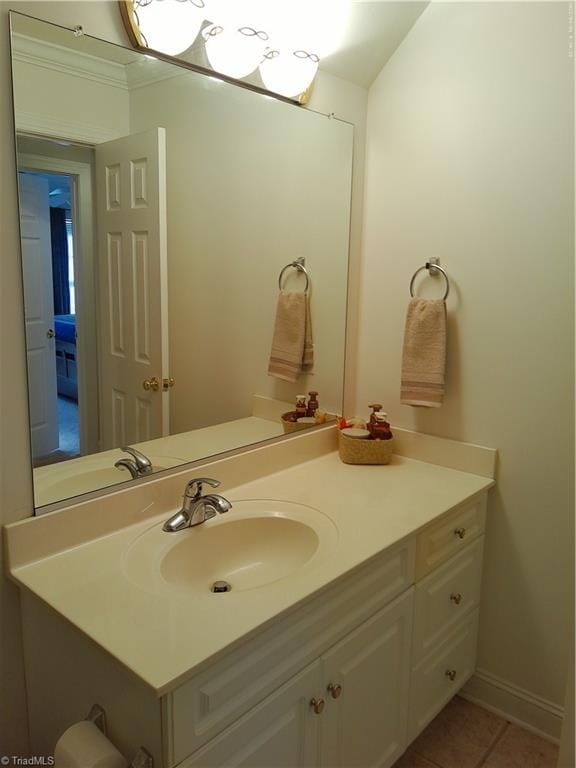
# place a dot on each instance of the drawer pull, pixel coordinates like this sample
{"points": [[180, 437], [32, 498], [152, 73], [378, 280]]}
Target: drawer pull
{"points": [[334, 690], [456, 598], [450, 674], [460, 532], [317, 705]]}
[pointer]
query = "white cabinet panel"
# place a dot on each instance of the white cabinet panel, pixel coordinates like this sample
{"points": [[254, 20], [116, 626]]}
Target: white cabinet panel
{"points": [[445, 597], [365, 726], [449, 535], [440, 676], [282, 731]]}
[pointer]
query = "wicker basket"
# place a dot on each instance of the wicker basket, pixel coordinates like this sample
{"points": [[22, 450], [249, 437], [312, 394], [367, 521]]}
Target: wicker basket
{"points": [[292, 426], [357, 451]]}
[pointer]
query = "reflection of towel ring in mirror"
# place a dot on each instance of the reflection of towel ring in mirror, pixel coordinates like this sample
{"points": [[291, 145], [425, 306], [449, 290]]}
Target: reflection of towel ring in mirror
{"points": [[431, 267], [299, 265]]}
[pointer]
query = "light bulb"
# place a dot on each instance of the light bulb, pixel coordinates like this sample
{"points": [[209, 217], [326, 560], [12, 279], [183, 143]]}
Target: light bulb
{"points": [[288, 73], [169, 26], [234, 51]]}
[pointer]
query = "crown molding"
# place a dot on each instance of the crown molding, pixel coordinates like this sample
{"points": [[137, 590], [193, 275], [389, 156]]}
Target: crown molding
{"points": [[39, 53], [147, 71], [40, 124]]}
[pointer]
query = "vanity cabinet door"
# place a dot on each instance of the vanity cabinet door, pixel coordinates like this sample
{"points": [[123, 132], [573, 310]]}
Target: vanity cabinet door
{"points": [[282, 731], [366, 678]]}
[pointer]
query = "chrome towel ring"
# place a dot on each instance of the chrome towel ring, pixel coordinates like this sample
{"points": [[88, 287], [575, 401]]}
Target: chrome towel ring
{"points": [[430, 266], [299, 265]]}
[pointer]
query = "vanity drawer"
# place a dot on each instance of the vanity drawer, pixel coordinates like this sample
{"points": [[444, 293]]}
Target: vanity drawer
{"points": [[444, 597], [441, 675], [449, 535], [224, 691]]}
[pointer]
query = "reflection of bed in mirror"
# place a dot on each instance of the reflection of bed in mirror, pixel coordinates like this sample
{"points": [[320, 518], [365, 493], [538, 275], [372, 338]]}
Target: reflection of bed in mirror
{"points": [[66, 371], [178, 281]]}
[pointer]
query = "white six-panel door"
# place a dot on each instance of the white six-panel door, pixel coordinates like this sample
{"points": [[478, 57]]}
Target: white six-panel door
{"points": [[39, 312], [132, 274]]}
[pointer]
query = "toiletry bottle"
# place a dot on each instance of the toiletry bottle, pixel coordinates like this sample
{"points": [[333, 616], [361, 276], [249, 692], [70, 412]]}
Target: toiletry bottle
{"points": [[312, 404], [375, 408], [381, 428], [301, 407]]}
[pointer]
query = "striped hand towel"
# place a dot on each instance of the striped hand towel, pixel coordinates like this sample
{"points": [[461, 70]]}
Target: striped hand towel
{"points": [[292, 348], [424, 354]]}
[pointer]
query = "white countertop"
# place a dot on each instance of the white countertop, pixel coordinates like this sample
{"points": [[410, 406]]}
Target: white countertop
{"points": [[164, 638]]}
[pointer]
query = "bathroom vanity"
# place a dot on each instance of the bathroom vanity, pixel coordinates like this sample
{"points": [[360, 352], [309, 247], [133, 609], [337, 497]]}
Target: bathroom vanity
{"points": [[351, 621]]}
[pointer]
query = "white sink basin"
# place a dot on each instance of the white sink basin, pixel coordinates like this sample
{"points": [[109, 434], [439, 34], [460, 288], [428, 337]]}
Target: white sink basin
{"points": [[254, 544]]}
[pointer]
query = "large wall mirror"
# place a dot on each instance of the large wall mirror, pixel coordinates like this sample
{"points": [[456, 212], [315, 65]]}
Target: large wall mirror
{"points": [[158, 209]]}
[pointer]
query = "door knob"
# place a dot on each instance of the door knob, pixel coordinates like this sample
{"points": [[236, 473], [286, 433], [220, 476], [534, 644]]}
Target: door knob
{"points": [[168, 384], [50, 333], [450, 674], [456, 598], [151, 384], [317, 705], [334, 689]]}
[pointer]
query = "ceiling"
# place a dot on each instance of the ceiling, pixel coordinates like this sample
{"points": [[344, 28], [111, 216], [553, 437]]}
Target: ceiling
{"points": [[374, 32]]}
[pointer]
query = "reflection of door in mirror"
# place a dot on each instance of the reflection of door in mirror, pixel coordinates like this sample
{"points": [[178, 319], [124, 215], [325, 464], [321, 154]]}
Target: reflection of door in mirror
{"points": [[131, 215], [70, 391], [39, 317]]}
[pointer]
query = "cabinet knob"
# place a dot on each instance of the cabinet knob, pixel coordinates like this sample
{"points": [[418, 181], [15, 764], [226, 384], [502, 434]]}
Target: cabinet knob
{"points": [[460, 532], [317, 705], [456, 598], [334, 689], [450, 674]]}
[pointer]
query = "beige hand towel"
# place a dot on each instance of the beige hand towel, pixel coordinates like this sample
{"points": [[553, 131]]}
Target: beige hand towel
{"points": [[292, 348], [424, 354]]}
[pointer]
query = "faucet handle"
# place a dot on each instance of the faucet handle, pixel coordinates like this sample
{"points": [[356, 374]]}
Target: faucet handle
{"points": [[198, 481], [143, 463]]}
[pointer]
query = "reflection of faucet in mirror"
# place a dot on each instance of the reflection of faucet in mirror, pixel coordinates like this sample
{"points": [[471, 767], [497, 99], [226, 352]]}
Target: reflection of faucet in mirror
{"points": [[138, 466], [196, 508]]}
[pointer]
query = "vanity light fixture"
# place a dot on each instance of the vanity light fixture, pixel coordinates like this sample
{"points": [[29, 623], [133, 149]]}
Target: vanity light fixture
{"points": [[288, 73], [235, 52], [168, 26], [242, 37]]}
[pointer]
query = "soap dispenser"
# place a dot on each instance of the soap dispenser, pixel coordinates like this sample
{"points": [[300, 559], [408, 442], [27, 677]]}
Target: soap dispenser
{"points": [[376, 407], [380, 430]]}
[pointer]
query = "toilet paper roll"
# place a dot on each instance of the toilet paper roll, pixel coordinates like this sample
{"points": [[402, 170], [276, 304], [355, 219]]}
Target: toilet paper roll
{"points": [[84, 745]]}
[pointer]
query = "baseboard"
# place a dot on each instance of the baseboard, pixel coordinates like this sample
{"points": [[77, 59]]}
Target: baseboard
{"points": [[515, 704]]}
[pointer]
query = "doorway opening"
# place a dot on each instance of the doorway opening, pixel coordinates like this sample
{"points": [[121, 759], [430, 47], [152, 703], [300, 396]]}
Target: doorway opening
{"points": [[62, 303]]}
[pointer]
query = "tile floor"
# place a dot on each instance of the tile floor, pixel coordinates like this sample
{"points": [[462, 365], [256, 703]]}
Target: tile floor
{"points": [[464, 735]]}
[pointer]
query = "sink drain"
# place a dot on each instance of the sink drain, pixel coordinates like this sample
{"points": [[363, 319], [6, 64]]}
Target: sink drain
{"points": [[221, 586]]}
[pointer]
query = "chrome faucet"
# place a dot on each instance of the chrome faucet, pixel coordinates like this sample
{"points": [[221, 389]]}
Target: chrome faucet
{"points": [[196, 508], [138, 466]]}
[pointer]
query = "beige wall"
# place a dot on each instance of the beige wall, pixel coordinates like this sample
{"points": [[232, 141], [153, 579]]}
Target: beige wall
{"points": [[469, 158], [243, 201]]}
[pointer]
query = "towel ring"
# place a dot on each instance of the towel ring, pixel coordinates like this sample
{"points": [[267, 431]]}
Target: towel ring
{"points": [[430, 266], [299, 265]]}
